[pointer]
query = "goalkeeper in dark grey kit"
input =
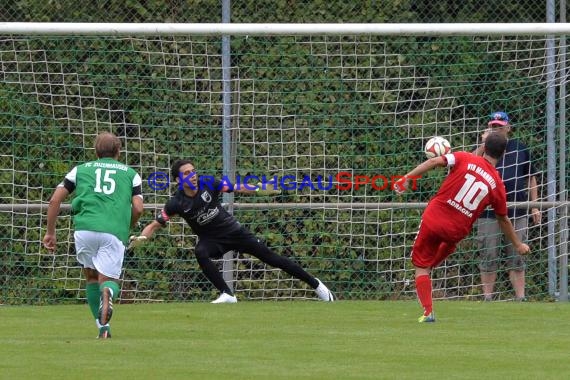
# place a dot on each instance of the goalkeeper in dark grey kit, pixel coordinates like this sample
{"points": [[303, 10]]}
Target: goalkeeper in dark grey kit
{"points": [[218, 231]]}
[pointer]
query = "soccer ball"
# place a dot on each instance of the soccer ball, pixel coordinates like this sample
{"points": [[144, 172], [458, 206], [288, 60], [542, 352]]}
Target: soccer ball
{"points": [[437, 146]]}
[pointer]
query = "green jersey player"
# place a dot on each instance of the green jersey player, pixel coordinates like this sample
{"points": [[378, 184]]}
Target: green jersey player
{"points": [[108, 202]]}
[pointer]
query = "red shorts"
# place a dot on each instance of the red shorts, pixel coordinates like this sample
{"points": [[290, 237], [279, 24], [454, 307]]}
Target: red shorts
{"points": [[430, 248]]}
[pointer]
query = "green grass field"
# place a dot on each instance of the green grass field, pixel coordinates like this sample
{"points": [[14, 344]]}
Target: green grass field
{"points": [[289, 340]]}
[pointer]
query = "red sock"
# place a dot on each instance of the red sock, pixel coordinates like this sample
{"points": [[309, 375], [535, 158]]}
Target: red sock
{"points": [[423, 289]]}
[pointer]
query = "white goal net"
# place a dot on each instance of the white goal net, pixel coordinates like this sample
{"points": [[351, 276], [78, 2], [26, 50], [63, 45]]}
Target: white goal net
{"points": [[321, 111]]}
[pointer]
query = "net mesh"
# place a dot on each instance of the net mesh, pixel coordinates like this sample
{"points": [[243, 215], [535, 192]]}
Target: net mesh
{"points": [[302, 108]]}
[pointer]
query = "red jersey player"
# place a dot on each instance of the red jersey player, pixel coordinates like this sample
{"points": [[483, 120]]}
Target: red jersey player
{"points": [[473, 184]]}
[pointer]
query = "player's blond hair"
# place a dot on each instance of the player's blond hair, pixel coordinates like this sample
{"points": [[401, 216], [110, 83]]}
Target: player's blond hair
{"points": [[107, 145]]}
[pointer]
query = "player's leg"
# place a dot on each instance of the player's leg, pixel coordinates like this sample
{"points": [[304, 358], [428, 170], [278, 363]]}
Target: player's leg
{"points": [[423, 279], [488, 235], [248, 243], [92, 290], [424, 252], [109, 263], [110, 289], [444, 250], [424, 293], [202, 251], [515, 262], [86, 247]]}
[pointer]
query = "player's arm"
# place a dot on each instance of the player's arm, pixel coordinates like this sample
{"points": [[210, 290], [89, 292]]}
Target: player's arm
{"points": [[479, 150], [137, 206], [137, 209], [240, 190], [509, 231], [161, 219], [258, 189], [404, 183], [151, 228], [533, 197], [481, 147], [55, 202], [499, 204], [146, 234]]}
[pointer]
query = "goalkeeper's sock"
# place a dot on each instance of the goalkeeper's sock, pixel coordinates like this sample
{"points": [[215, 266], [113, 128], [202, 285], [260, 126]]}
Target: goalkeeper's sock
{"points": [[114, 289], [93, 297], [423, 290]]}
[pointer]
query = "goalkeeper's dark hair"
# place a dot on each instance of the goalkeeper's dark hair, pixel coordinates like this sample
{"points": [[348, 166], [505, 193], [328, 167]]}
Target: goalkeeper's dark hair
{"points": [[175, 170], [107, 145], [495, 145]]}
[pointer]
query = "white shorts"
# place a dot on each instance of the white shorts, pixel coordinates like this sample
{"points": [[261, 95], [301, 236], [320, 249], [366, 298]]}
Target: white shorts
{"points": [[100, 251]]}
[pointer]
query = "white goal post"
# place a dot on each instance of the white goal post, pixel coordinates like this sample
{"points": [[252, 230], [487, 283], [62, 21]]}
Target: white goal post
{"points": [[294, 100], [305, 29]]}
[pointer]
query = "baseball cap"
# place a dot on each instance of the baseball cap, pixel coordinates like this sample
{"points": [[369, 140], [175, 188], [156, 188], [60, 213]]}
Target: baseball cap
{"points": [[499, 118]]}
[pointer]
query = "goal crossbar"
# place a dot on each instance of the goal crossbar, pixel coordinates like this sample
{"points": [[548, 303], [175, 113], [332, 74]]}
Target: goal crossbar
{"points": [[255, 29]]}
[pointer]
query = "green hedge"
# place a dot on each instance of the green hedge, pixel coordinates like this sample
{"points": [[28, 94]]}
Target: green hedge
{"points": [[166, 104]]}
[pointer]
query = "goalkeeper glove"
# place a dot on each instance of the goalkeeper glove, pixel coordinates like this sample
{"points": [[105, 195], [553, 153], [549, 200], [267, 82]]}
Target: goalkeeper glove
{"points": [[136, 241], [268, 190]]}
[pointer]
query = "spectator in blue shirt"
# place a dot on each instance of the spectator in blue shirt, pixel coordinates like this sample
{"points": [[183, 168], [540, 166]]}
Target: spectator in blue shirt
{"points": [[519, 176]]}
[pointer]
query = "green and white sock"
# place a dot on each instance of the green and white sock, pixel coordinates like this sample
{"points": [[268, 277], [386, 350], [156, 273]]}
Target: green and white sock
{"points": [[114, 288], [93, 297]]}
